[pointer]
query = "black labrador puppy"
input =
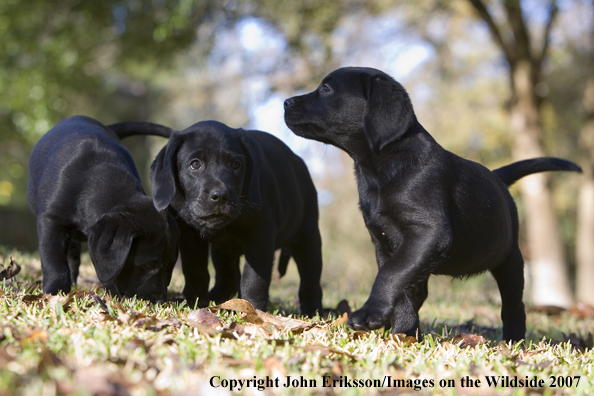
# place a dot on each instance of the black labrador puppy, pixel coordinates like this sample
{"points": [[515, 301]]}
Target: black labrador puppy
{"points": [[245, 193], [428, 211], [84, 186]]}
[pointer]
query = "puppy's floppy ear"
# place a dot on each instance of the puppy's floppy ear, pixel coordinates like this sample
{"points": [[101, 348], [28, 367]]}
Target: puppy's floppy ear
{"points": [[252, 176], [388, 113], [163, 173], [110, 240]]}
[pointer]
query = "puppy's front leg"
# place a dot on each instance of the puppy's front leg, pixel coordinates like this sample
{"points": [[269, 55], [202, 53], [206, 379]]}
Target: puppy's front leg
{"points": [[416, 257], [227, 275], [53, 250], [194, 256], [257, 271]]}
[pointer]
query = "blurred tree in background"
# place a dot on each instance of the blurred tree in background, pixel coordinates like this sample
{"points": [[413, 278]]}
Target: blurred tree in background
{"points": [[178, 62]]}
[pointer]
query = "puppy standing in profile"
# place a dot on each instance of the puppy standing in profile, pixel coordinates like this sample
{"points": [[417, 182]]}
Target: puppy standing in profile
{"points": [[84, 186], [428, 211], [245, 193]]}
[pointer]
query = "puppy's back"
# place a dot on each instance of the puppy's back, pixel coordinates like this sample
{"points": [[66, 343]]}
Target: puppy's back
{"points": [[70, 156]]}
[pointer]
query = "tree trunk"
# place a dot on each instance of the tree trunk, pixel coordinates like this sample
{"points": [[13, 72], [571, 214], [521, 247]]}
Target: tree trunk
{"points": [[550, 281], [585, 213]]}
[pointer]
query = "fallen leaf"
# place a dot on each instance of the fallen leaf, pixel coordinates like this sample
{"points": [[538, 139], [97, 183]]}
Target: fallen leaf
{"points": [[40, 299], [32, 335], [550, 310], [99, 301], [465, 340], [207, 330], [275, 367], [243, 306], [403, 338], [341, 320], [264, 319], [160, 324], [205, 317], [13, 269], [234, 362], [582, 311]]}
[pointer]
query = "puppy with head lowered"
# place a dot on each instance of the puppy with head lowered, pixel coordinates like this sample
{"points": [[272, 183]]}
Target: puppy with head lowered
{"points": [[428, 211], [245, 193], [84, 186]]}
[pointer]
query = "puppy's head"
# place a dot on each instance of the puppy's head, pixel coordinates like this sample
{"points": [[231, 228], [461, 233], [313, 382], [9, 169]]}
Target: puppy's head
{"points": [[134, 251], [351, 106], [206, 172]]}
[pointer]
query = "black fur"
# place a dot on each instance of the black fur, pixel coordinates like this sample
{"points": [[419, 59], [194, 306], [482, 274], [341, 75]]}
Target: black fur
{"points": [[428, 211], [245, 193], [84, 186]]}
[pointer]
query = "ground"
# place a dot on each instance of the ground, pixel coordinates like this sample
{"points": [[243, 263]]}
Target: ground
{"points": [[87, 343]]}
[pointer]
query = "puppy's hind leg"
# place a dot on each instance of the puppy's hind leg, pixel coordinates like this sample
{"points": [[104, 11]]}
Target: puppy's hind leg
{"points": [[53, 250], [74, 250], [510, 279], [307, 252]]}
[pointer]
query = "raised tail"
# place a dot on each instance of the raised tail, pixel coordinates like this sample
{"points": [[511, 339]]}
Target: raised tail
{"points": [[511, 173], [283, 261], [132, 128]]}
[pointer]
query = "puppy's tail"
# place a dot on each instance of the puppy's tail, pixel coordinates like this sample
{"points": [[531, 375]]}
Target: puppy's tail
{"points": [[511, 173], [283, 261], [132, 128]]}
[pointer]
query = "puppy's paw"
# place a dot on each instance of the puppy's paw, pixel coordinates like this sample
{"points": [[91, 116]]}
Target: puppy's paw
{"points": [[369, 317]]}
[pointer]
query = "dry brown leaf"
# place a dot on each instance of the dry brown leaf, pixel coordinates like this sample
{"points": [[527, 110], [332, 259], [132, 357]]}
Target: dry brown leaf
{"points": [[205, 317], [169, 322], [341, 320], [233, 362], [40, 299], [251, 330], [99, 301], [243, 306], [550, 310], [11, 271], [32, 335], [264, 319], [403, 338], [582, 311], [207, 330], [275, 367], [468, 340]]}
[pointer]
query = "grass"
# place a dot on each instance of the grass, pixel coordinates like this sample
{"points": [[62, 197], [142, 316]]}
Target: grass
{"points": [[73, 345]]}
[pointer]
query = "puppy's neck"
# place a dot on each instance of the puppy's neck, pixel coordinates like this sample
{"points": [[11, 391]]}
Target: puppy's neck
{"points": [[410, 151]]}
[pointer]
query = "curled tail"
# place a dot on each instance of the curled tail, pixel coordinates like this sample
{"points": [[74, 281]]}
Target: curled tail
{"points": [[511, 173], [283, 261], [132, 128]]}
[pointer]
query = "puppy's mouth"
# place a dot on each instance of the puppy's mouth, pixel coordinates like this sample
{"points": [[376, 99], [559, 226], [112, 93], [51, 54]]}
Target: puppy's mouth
{"points": [[216, 220]]}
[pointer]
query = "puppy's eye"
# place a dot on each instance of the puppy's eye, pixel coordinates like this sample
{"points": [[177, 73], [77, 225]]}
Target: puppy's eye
{"points": [[235, 164], [326, 88], [195, 165]]}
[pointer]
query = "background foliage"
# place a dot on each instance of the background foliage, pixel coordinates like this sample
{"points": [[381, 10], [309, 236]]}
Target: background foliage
{"points": [[179, 61]]}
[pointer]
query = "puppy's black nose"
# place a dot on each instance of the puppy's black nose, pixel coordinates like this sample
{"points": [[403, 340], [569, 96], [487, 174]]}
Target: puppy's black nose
{"points": [[289, 102], [219, 195]]}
